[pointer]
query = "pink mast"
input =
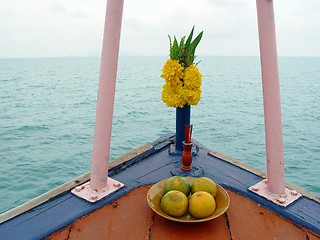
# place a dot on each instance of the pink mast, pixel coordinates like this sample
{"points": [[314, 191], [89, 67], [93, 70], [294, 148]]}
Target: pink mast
{"points": [[100, 184], [271, 97], [106, 92]]}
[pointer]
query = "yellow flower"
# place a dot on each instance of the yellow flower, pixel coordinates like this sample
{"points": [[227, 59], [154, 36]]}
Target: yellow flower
{"points": [[182, 86], [195, 97], [192, 77], [172, 72], [172, 95]]}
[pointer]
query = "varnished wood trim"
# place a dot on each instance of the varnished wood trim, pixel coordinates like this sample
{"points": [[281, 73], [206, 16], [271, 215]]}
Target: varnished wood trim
{"points": [[256, 171], [69, 185]]}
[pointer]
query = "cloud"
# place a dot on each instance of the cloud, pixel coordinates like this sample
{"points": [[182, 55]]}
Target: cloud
{"points": [[297, 27], [225, 26], [36, 28], [57, 7]]}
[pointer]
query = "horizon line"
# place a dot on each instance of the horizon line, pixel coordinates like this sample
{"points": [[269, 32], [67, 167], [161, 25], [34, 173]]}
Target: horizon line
{"points": [[156, 55]]}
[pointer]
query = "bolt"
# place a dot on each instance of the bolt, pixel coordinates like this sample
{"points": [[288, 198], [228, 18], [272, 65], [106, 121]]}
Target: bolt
{"points": [[255, 188], [78, 189], [117, 185], [282, 200], [266, 181], [294, 192], [94, 196]]}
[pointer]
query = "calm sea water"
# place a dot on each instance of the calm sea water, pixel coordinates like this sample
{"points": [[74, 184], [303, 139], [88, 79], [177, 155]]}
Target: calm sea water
{"points": [[48, 110]]}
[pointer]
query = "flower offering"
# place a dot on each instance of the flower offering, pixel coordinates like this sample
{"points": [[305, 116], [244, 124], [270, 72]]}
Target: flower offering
{"points": [[183, 79]]}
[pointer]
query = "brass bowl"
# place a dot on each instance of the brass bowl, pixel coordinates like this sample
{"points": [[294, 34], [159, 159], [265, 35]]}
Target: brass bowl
{"points": [[156, 192]]}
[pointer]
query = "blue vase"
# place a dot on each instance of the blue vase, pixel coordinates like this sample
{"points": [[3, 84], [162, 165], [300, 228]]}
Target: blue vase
{"points": [[182, 119]]}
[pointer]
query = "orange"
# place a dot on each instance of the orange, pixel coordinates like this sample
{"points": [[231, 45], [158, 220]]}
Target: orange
{"points": [[174, 203], [177, 183], [201, 204], [204, 184]]}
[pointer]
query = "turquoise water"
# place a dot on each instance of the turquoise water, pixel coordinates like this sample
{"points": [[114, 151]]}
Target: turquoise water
{"points": [[48, 110]]}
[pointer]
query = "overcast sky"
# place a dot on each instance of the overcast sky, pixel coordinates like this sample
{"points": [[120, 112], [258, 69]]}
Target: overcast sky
{"points": [[54, 28]]}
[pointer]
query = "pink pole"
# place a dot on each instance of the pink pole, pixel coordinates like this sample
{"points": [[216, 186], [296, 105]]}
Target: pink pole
{"points": [[106, 92], [271, 97]]}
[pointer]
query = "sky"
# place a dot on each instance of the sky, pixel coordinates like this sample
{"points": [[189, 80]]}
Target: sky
{"points": [[59, 28]]}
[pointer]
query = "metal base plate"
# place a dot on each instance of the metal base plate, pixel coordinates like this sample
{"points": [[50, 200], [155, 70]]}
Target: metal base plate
{"points": [[288, 197], [86, 192], [195, 172]]}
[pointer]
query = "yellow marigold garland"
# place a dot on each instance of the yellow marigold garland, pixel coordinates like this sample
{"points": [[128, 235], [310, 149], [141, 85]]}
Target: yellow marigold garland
{"points": [[192, 77], [183, 79], [182, 86], [172, 72]]}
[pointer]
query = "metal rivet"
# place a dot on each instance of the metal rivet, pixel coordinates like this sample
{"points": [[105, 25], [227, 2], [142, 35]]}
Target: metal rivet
{"points": [[282, 200], [94, 196], [266, 181], [255, 188], [78, 189], [294, 192]]}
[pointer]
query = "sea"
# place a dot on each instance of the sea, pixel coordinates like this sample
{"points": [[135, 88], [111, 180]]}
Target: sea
{"points": [[47, 108]]}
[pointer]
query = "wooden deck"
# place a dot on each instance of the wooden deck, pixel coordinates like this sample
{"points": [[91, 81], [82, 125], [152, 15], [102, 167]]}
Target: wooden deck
{"points": [[125, 214], [131, 218]]}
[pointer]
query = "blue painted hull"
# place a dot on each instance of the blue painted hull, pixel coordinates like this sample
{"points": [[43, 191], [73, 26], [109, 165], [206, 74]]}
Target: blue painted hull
{"points": [[147, 168]]}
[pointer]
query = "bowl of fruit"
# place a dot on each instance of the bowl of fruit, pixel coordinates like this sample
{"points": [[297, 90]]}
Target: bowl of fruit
{"points": [[188, 199]]}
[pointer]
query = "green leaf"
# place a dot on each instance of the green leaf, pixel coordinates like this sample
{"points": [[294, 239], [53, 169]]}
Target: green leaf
{"points": [[182, 51], [170, 47], [175, 49], [182, 42], [197, 39], [195, 43], [189, 38]]}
